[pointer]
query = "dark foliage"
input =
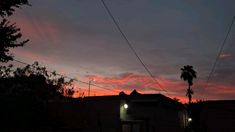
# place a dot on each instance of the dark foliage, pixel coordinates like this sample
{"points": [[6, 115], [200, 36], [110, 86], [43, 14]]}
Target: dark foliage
{"points": [[9, 38], [25, 94], [10, 35], [32, 77], [7, 6], [188, 74]]}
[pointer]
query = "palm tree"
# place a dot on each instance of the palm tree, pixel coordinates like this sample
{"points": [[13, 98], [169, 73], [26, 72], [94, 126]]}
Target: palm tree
{"points": [[188, 74]]}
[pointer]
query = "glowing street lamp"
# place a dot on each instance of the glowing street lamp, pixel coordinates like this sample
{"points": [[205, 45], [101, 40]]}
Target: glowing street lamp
{"points": [[125, 106], [190, 119]]}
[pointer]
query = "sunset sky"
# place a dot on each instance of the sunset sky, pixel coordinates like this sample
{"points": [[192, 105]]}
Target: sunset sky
{"points": [[78, 38]]}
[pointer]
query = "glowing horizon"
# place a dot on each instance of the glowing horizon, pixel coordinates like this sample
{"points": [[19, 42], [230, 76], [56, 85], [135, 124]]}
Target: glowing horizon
{"points": [[83, 43]]}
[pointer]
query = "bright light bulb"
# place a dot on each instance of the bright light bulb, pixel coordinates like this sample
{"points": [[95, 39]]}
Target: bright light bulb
{"points": [[125, 106], [189, 119]]}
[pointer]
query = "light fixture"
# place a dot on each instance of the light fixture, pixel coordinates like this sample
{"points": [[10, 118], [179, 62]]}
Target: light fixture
{"points": [[125, 106], [190, 119]]}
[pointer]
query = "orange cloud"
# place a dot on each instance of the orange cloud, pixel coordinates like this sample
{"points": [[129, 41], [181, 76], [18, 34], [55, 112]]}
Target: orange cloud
{"points": [[218, 90], [145, 85]]}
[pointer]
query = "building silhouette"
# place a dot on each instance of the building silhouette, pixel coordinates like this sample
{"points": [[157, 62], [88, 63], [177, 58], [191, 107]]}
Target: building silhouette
{"points": [[122, 113], [214, 116]]}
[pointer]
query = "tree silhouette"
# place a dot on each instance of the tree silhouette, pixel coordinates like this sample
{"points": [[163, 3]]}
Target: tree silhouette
{"points": [[26, 93], [54, 85], [9, 33], [7, 6], [188, 74]]}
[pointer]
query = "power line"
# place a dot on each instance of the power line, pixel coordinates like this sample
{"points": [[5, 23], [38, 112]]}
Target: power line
{"points": [[57, 73], [218, 55], [130, 45], [71, 78]]}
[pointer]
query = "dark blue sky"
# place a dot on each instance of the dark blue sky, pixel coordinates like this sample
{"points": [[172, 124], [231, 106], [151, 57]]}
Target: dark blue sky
{"points": [[78, 38]]}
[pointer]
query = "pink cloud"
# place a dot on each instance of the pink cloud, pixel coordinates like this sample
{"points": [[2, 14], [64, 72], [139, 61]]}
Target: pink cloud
{"points": [[219, 91], [224, 56], [145, 85], [33, 56], [142, 83], [38, 29]]}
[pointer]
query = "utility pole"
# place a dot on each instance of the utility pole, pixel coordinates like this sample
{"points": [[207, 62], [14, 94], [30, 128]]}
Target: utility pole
{"points": [[89, 88]]}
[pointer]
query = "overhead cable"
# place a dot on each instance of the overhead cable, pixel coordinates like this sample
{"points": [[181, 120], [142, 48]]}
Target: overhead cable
{"points": [[218, 55], [71, 78], [130, 45]]}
